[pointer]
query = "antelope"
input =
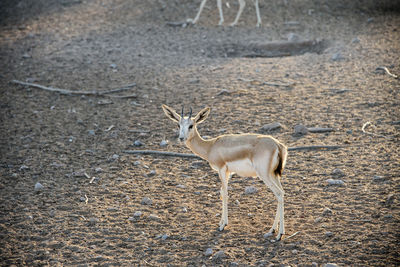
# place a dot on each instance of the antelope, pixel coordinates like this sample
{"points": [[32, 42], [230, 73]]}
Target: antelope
{"points": [[248, 155], [242, 4]]}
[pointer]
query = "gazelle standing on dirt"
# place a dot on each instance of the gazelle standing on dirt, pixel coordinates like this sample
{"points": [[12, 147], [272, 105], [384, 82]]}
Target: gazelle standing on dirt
{"points": [[242, 4], [244, 154]]}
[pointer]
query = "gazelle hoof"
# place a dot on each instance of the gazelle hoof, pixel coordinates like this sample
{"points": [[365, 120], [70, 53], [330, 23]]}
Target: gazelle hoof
{"points": [[222, 225]]}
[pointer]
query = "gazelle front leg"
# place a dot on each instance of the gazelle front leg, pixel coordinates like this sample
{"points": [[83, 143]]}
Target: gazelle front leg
{"points": [[258, 13], [221, 15], [223, 175], [194, 21], [242, 4]]}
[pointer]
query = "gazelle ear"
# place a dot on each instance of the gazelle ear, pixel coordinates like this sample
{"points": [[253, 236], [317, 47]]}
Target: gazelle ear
{"points": [[171, 113], [202, 115]]}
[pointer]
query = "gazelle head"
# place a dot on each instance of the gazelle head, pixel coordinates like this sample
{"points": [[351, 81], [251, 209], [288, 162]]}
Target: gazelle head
{"points": [[187, 125]]}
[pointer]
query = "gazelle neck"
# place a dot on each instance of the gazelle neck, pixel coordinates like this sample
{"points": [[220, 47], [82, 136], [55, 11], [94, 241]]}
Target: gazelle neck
{"points": [[198, 145]]}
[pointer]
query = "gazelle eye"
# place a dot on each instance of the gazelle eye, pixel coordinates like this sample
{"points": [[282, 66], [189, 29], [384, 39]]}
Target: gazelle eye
{"points": [[190, 127]]}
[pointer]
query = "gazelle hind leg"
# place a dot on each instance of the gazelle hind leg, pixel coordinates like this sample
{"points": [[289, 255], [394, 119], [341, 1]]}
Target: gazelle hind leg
{"points": [[223, 175], [276, 187]]}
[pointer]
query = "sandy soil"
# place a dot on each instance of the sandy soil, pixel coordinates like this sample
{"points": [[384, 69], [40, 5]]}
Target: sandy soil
{"points": [[63, 141]]}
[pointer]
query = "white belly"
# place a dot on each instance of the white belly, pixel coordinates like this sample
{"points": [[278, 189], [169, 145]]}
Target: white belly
{"points": [[242, 167]]}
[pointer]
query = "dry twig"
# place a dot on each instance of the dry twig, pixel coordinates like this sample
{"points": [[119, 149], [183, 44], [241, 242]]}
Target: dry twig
{"points": [[73, 92], [365, 125], [387, 71]]}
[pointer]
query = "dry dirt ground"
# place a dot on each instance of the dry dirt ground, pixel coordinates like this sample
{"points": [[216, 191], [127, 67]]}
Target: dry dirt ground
{"points": [[159, 211]]}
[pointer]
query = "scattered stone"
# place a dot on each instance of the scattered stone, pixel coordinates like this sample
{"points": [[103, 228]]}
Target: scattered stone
{"points": [[369, 20], [337, 173], [91, 132], [113, 209], [268, 235], [131, 219], [26, 55], [82, 199], [184, 209], [319, 130], [192, 81], [146, 201], [208, 252], [219, 255], [137, 143], [233, 264], [271, 127], [93, 221], [223, 92], [330, 265], [314, 264], [98, 170], [355, 40], [292, 37], [136, 163], [38, 187], [250, 190], [300, 129], [377, 178], [390, 199], [137, 214], [151, 173], [318, 219], [163, 143], [23, 168], [164, 237], [113, 66], [295, 251], [153, 217], [335, 182], [115, 157], [181, 186], [337, 56], [327, 211], [328, 234]]}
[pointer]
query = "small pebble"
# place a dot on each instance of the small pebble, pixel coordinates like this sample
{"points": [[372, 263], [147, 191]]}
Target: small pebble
{"points": [[38, 186], [153, 217], [137, 143], [268, 235], [330, 265], [219, 255], [181, 186], [184, 209], [233, 264], [327, 211], [113, 66], [136, 163], [223, 92], [137, 214], [292, 37], [91, 132], [300, 129], [146, 201], [115, 157], [98, 170], [338, 173], [328, 234], [151, 173], [337, 56], [335, 182], [355, 40], [163, 143], [250, 190], [271, 126], [318, 219], [208, 252], [377, 178], [93, 221]]}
